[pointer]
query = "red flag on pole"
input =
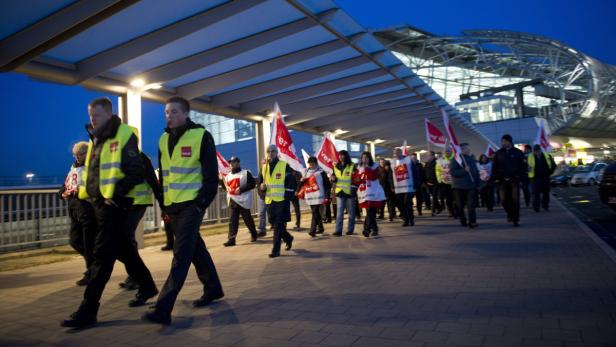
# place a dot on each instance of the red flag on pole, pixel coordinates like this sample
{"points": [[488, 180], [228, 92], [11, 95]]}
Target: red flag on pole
{"points": [[453, 140], [542, 139], [434, 135], [405, 150], [283, 141], [327, 155], [490, 150], [223, 166]]}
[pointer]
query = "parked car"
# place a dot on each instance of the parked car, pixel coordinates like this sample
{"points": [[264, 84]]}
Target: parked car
{"points": [[561, 177], [607, 187], [587, 174]]}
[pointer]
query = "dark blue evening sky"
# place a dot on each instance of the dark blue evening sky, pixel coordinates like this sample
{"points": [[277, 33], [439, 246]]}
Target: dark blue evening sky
{"points": [[41, 120]]}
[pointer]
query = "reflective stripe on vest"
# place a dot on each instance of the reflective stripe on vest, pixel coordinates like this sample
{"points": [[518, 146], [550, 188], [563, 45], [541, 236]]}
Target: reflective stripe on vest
{"points": [[274, 182], [181, 172], [343, 179], [110, 163], [531, 163], [143, 195]]}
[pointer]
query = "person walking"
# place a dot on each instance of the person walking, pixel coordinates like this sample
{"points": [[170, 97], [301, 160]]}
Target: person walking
{"points": [[525, 180], [278, 181], [370, 194], [443, 175], [403, 186], [432, 183], [239, 185], [295, 203], [418, 182], [390, 195], [312, 188], [344, 173], [507, 168], [465, 181], [189, 181], [262, 232], [486, 188], [541, 166]]}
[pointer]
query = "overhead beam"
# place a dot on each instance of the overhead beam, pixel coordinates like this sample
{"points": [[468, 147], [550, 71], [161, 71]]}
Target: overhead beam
{"points": [[54, 29], [403, 121], [214, 83], [332, 98], [206, 58], [244, 94], [132, 49]]}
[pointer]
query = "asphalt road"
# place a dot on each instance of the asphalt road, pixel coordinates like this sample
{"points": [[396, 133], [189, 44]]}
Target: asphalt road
{"points": [[584, 202]]}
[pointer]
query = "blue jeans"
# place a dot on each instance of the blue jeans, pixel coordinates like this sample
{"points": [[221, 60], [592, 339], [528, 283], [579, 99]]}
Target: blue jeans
{"points": [[349, 204], [262, 219]]}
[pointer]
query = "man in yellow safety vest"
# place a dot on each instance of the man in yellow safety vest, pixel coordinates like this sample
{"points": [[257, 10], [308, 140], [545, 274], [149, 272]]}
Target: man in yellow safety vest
{"points": [[541, 166]]}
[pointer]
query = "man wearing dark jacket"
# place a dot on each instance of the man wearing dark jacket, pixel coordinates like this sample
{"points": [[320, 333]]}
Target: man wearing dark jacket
{"points": [[189, 181], [541, 166], [113, 168], [507, 169], [390, 196], [418, 181], [278, 181], [465, 181], [432, 183]]}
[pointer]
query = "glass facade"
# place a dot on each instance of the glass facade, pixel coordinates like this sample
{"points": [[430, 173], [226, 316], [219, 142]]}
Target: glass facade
{"points": [[223, 129], [488, 109]]}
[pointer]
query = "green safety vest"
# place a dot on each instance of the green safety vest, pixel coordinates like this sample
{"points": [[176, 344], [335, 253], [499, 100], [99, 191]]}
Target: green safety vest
{"points": [[142, 192], [110, 163], [531, 163], [343, 179], [181, 172], [274, 182]]}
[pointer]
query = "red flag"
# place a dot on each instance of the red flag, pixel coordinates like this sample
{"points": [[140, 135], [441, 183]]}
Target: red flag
{"points": [[405, 150], [453, 140], [283, 141], [223, 167], [542, 139], [327, 155], [434, 135], [490, 150]]}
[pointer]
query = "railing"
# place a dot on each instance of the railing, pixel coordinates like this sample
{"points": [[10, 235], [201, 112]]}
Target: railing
{"points": [[36, 218]]}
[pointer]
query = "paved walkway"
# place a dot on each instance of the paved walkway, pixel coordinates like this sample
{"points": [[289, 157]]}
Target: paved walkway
{"points": [[546, 283]]}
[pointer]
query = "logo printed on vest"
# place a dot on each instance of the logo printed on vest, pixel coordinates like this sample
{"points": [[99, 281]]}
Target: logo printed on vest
{"points": [[278, 175], [401, 173], [186, 152], [113, 146]]}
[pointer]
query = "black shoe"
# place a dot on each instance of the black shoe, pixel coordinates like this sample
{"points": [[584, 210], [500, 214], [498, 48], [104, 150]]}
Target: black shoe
{"points": [[405, 224], [84, 316], [463, 223], [253, 238], [129, 284], [419, 213], [207, 299], [84, 281], [167, 248], [349, 233], [337, 234], [142, 297], [472, 225], [312, 234], [320, 231], [546, 209], [289, 244], [412, 222], [262, 234], [536, 209], [157, 317], [365, 233], [490, 210], [274, 255], [516, 224], [327, 221], [375, 232], [391, 220], [229, 243], [297, 228]]}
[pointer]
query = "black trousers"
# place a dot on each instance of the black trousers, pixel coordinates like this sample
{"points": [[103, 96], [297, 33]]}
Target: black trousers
{"points": [[433, 191], [234, 221], [370, 220], [298, 213], [188, 248], [317, 220], [466, 199], [419, 199], [487, 196], [114, 242], [510, 198], [425, 191], [279, 213], [82, 232], [447, 198], [541, 192], [170, 235], [405, 205], [525, 183]]}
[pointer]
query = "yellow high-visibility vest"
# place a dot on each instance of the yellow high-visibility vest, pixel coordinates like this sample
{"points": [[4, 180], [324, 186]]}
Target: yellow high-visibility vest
{"points": [[181, 172], [531, 163], [142, 191], [274, 182], [343, 179], [110, 163]]}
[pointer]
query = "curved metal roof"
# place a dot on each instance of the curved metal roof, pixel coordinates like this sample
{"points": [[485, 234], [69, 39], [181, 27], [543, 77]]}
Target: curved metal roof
{"points": [[233, 58]]}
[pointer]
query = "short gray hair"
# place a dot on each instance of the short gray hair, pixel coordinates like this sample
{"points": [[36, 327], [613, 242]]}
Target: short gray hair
{"points": [[271, 148]]}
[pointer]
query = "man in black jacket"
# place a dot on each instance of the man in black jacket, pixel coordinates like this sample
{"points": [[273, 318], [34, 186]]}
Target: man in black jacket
{"points": [[418, 181], [431, 182], [540, 167], [185, 206], [110, 199], [507, 169]]}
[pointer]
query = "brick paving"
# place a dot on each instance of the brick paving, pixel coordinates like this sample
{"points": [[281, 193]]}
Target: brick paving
{"points": [[546, 283]]}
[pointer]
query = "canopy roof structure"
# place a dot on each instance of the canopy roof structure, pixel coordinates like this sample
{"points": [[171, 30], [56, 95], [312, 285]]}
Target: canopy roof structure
{"points": [[231, 58]]}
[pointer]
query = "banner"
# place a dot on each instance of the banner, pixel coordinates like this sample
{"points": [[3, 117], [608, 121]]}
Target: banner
{"points": [[542, 139], [434, 136], [453, 140], [405, 150], [223, 167], [283, 141], [327, 155], [490, 150]]}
